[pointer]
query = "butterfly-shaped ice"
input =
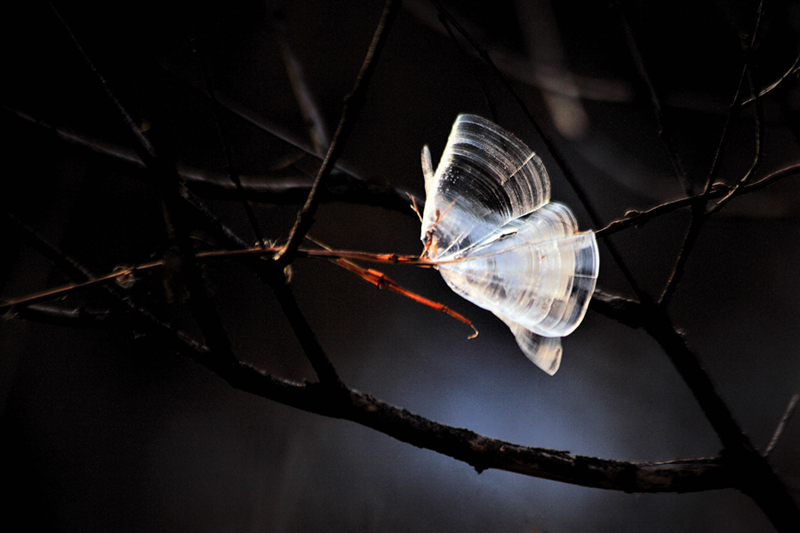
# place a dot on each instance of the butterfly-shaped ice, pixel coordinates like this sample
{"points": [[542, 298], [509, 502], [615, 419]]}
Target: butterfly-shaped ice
{"points": [[501, 243]]}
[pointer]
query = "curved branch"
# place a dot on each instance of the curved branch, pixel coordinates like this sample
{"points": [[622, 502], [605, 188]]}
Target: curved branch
{"points": [[481, 452], [352, 107], [487, 453], [623, 310], [72, 318], [640, 218], [685, 475], [342, 185], [664, 133]]}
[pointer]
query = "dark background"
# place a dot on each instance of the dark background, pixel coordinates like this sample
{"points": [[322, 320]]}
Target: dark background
{"points": [[106, 430]]}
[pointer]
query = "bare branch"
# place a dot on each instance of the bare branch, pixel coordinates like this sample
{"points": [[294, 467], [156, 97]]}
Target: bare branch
{"points": [[352, 107], [686, 475], [748, 48], [792, 70], [664, 133], [621, 309], [233, 170], [342, 185], [302, 93], [787, 415], [689, 239], [72, 318], [758, 136], [699, 213], [481, 452], [248, 255], [486, 453], [185, 271], [640, 218], [755, 476], [140, 317]]}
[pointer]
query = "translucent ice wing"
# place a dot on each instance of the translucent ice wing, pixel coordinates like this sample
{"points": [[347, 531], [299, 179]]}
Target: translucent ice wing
{"points": [[486, 178], [544, 352], [543, 286], [501, 244], [550, 222]]}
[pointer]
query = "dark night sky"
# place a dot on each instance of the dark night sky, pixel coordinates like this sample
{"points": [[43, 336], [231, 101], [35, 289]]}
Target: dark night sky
{"points": [[107, 430]]}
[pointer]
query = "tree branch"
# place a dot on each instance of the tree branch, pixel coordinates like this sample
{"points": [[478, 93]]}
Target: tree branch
{"points": [[623, 310], [312, 116], [664, 133], [481, 452], [639, 218], [342, 186], [686, 475], [753, 475], [787, 415], [72, 318], [233, 170], [352, 107]]}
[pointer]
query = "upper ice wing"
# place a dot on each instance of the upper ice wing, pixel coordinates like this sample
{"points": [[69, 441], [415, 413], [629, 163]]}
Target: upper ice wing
{"points": [[486, 178]]}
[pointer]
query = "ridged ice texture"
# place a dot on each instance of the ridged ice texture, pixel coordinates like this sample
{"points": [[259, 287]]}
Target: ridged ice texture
{"points": [[500, 242]]}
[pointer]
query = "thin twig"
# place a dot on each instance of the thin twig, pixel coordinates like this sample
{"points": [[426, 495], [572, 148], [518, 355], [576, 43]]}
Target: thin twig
{"points": [[233, 170], [759, 135], [140, 317], [664, 133], [140, 141], [319, 360], [787, 415], [61, 291], [699, 215], [687, 244], [72, 318], [352, 107], [88, 280], [312, 116], [792, 70], [185, 272], [623, 310], [640, 218], [342, 186]]}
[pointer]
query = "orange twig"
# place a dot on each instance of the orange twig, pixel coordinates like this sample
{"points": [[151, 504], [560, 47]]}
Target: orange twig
{"points": [[380, 280], [340, 257]]}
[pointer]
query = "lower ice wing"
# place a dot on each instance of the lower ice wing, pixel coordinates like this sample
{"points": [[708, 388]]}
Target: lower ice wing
{"points": [[539, 289]]}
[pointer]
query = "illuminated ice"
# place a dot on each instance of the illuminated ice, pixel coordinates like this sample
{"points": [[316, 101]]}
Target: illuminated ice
{"points": [[501, 243]]}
